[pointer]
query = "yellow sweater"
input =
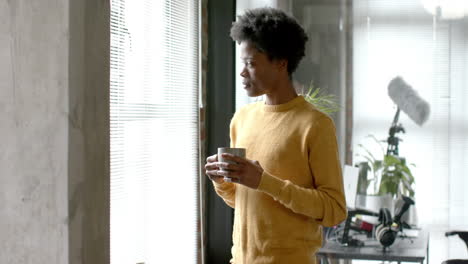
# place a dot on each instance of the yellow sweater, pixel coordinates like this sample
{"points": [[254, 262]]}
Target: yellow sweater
{"points": [[301, 188]]}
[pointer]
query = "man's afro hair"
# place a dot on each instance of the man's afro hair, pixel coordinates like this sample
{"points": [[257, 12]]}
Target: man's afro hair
{"points": [[272, 32]]}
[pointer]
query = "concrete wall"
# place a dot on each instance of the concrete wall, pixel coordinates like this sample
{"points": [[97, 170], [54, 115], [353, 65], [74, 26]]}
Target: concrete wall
{"points": [[54, 131]]}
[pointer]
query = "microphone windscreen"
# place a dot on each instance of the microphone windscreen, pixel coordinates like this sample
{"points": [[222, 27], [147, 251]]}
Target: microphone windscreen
{"points": [[408, 100]]}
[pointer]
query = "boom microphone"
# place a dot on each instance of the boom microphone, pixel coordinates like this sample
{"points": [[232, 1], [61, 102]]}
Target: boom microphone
{"points": [[408, 100]]}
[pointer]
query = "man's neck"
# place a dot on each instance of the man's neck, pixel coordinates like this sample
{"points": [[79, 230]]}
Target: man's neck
{"points": [[284, 93]]}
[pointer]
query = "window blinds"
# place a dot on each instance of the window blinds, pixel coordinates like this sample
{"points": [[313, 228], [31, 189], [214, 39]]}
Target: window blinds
{"points": [[402, 38], [154, 131]]}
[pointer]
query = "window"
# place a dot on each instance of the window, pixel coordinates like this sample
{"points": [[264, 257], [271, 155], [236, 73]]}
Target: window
{"points": [[154, 131]]}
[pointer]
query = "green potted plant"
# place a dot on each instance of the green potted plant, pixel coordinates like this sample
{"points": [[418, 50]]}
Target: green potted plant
{"points": [[390, 177], [391, 174]]}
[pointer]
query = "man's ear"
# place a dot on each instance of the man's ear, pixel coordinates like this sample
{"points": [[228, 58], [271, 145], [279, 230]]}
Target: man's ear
{"points": [[282, 64]]}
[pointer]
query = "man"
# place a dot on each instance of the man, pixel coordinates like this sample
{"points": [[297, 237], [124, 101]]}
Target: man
{"points": [[290, 184]]}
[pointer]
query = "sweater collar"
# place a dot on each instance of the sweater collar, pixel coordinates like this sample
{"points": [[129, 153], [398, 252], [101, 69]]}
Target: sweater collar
{"points": [[284, 107]]}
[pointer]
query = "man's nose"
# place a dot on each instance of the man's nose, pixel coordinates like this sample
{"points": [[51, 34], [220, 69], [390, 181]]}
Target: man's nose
{"points": [[243, 72]]}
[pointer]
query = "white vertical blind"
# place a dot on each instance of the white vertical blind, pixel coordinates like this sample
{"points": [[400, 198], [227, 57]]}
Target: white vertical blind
{"points": [[401, 38], [154, 131]]}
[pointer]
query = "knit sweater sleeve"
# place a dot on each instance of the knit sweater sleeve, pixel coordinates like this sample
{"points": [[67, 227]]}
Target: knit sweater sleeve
{"points": [[325, 202], [227, 192]]}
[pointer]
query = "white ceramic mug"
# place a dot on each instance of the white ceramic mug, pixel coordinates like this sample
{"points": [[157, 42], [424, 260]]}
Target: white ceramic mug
{"points": [[240, 152]]}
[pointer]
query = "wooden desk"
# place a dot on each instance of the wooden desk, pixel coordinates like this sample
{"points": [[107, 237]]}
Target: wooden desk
{"points": [[403, 250]]}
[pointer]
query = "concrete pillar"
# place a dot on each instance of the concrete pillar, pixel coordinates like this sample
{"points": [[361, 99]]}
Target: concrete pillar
{"points": [[54, 131]]}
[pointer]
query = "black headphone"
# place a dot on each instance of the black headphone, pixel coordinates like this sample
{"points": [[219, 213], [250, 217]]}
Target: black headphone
{"points": [[386, 232]]}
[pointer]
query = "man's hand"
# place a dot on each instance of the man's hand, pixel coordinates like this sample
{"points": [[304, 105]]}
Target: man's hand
{"points": [[245, 172], [211, 169]]}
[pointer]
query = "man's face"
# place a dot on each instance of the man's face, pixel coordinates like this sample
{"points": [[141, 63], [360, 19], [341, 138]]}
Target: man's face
{"points": [[259, 74]]}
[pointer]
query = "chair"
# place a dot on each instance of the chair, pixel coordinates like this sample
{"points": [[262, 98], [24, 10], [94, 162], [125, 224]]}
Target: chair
{"points": [[464, 236]]}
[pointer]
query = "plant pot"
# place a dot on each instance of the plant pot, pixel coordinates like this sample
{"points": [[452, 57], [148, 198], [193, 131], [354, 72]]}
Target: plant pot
{"points": [[375, 202]]}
